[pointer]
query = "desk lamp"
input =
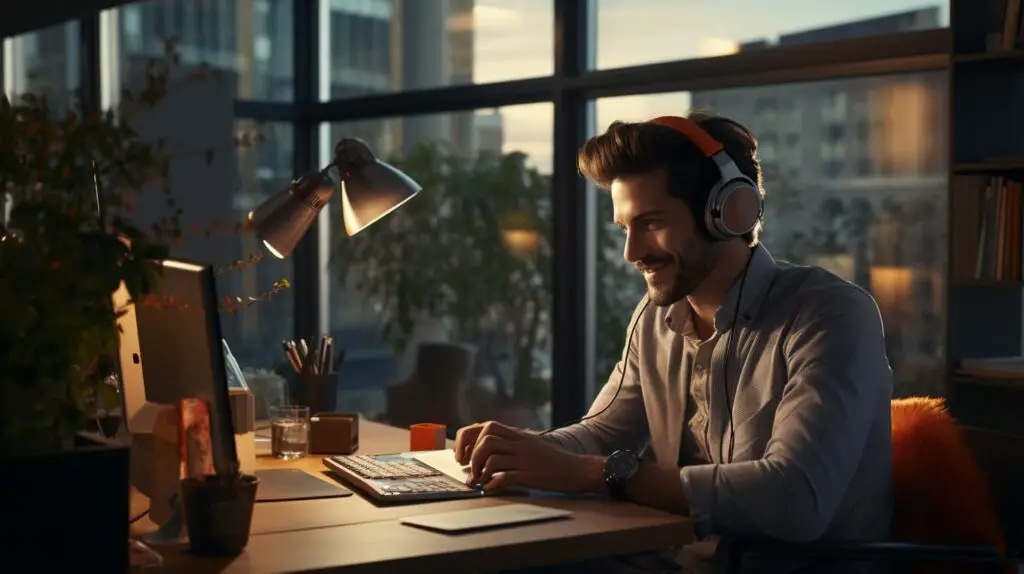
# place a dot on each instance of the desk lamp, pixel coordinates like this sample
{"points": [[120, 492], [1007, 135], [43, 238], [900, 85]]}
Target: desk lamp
{"points": [[370, 189]]}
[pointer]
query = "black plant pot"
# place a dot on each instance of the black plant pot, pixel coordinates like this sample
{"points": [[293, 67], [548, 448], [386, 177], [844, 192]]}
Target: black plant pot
{"points": [[218, 513], [68, 510]]}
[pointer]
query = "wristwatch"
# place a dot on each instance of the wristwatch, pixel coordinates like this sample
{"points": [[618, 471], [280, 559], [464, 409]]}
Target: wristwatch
{"points": [[619, 468]]}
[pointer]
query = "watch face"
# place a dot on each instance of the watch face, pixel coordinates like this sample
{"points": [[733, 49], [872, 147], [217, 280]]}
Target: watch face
{"points": [[621, 464]]}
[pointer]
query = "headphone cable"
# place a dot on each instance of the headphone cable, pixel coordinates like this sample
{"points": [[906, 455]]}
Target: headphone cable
{"points": [[725, 365], [729, 345], [622, 377]]}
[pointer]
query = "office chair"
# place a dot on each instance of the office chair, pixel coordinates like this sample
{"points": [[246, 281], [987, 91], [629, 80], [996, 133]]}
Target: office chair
{"points": [[945, 514]]}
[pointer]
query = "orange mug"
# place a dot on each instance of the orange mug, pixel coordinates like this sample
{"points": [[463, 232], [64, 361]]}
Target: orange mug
{"points": [[427, 436]]}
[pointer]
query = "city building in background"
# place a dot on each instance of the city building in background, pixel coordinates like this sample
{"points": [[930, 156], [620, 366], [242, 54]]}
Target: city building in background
{"points": [[855, 174]]}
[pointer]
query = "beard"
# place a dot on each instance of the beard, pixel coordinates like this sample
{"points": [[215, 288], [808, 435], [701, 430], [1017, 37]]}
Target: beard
{"points": [[678, 273]]}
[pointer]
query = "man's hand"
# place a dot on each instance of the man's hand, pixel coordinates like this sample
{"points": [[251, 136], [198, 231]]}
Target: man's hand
{"points": [[500, 456]]}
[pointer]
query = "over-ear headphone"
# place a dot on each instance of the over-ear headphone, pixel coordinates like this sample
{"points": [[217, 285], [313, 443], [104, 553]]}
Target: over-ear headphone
{"points": [[733, 206]]}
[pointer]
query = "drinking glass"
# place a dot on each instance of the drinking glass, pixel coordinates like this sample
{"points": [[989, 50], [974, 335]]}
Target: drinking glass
{"points": [[289, 431]]}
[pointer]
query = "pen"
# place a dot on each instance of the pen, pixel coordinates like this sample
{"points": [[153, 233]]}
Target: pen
{"points": [[305, 350], [293, 348], [288, 355], [328, 355], [321, 349]]}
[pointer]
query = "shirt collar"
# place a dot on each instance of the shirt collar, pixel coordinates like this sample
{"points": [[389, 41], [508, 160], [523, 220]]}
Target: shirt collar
{"points": [[759, 274]]}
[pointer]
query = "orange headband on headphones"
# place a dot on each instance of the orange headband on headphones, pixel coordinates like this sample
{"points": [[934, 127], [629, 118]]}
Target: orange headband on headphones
{"points": [[708, 145]]}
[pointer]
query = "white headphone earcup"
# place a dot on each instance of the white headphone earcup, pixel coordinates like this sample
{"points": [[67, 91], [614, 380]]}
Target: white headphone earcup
{"points": [[737, 209]]}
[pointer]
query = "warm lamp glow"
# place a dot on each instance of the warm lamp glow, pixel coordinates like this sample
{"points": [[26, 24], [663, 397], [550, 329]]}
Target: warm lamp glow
{"points": [[518, 236], [520, 242], [891, 287], [906, 138]]}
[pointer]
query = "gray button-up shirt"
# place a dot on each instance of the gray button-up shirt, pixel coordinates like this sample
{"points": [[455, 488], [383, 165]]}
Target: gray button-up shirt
{"points": [[811, 387]]}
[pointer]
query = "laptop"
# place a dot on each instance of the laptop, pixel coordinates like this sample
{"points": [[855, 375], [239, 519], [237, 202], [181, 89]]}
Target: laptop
{"points": [[405, 477]]}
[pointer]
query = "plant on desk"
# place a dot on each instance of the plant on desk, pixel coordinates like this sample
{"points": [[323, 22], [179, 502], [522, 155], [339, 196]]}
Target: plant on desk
{"points": [[69, 180], [60, 263], [69, 238]]}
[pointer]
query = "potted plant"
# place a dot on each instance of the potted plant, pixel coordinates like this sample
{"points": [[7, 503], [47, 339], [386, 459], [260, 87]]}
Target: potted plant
{"points": [[68, 181], [64, 252]]}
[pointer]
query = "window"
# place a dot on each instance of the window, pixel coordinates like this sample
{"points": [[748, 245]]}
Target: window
{"points": [[631, 32], [889, 237], [44, 62], [865, 166], [252, 46], [263, 163], [863, 130], [467, 262], [220, 169], [378, 46]]}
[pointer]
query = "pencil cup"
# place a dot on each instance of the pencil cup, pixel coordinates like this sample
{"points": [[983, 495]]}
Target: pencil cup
{"points": [[218, 513], [427, 436], [318, 391]]}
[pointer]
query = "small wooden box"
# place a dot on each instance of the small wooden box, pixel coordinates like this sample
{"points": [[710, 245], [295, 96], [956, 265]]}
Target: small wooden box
{"points": [[333, 433]]}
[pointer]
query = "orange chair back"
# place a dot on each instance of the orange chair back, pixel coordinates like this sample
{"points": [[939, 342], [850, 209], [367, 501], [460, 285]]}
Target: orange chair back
{"points": [[940, 494]]}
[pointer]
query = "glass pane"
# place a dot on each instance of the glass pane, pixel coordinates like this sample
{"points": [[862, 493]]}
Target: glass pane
{"points": [[255, 330], [45, 62], [674, 30], [249, 40], [855, 182], [466, 262], [375, 46]]}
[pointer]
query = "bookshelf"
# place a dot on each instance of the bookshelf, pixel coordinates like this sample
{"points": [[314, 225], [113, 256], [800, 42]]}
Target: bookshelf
{"points": [[985, 299]]}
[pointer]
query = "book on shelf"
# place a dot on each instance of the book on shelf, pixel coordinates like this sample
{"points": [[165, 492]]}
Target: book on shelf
{"points": [[996, 368], [1000, 256], [1013, 26]]}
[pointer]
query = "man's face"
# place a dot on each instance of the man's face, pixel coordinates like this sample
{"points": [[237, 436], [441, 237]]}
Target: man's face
{"points": [[662, 239]]}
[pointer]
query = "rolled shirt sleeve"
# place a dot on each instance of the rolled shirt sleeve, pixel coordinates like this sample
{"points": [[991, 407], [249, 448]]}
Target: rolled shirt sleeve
{"points": [[838, 374]]}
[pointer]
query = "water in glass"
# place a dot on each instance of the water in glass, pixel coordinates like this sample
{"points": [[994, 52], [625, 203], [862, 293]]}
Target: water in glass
{"points": [[289, 432]]}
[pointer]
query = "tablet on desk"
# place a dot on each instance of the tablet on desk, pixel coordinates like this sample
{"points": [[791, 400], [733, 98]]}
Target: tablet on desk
{"points": [[459, 521]]}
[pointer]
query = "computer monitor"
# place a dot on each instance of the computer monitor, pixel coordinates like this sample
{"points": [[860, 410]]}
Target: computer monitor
{"points": [[171, 349]]}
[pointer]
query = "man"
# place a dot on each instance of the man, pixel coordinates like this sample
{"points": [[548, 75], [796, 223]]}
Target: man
{"points": [[752, 395]]}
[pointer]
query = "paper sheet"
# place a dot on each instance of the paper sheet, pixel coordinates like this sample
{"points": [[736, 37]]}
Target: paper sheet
{"points": [[444, 461]]}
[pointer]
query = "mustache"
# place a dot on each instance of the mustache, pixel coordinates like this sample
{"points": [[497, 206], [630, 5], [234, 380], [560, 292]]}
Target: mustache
{"points": [[648, 262]]}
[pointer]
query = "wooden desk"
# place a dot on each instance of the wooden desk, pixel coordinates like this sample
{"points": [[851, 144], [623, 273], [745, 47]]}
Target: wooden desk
{"points": [[351, 534]]}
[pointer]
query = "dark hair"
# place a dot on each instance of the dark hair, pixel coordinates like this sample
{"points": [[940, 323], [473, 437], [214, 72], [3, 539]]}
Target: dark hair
{"points": [[627, 149]]}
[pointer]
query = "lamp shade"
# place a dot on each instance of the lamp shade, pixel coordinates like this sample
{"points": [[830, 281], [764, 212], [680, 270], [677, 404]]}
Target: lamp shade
{"points": [[373, 192], [370, 189]]}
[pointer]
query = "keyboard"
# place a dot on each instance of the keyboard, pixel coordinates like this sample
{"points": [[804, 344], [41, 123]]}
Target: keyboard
{"points": [[398, 478], [373, 468]]}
